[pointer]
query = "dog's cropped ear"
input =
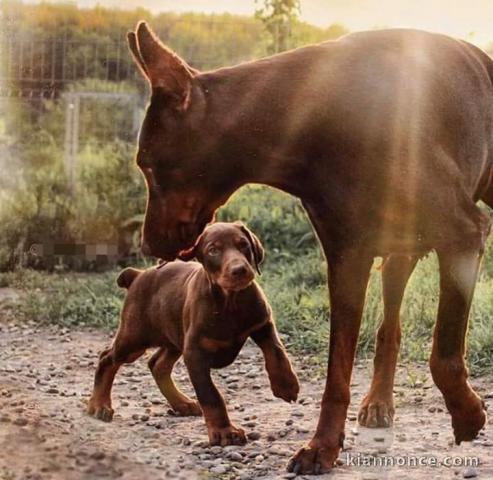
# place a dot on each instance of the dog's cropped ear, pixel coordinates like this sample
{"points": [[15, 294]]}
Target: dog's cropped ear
{"points": [[257, 248], [163, 68]]}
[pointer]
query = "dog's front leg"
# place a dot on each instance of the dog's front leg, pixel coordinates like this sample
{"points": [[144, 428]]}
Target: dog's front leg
{"points": [[283, 380], [220, 429]]}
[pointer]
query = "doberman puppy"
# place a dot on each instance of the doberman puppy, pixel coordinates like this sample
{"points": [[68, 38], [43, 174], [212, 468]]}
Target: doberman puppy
{"points": [[204, 311]]}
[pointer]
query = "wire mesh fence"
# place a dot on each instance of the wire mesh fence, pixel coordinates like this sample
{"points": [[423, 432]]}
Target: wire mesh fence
{"points": [[71, 103]]}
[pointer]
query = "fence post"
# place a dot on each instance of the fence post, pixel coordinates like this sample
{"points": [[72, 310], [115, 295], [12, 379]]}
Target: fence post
{"points": [[72, 109]]}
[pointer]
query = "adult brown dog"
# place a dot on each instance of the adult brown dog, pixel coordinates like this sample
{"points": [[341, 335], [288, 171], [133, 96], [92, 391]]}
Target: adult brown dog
{"points": [[387, 138], [204, 311]]}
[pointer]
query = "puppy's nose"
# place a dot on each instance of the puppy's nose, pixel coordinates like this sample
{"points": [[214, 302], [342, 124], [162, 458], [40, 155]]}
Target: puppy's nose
{"points": [[238, 271]]}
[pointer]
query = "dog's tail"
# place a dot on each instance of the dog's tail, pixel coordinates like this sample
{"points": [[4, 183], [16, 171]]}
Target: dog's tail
{"points": [[127, 276]]}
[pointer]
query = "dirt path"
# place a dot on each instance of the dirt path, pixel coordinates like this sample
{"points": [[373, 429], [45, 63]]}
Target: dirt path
{"points": [[46, 375]]}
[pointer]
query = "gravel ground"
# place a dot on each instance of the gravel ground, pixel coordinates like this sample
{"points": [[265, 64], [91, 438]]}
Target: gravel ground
{"points": [[46, 377]]}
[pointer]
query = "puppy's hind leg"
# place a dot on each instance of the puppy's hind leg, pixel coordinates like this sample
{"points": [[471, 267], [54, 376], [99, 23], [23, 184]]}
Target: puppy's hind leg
{"points": [[161, 365], [110, 361]]}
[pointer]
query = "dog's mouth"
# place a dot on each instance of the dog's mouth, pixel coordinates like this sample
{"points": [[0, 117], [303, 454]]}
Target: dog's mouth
{"points": [[235, 284]]}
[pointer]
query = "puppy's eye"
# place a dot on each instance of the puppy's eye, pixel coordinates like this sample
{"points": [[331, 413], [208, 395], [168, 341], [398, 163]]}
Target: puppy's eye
{"points": [[213, 251]]}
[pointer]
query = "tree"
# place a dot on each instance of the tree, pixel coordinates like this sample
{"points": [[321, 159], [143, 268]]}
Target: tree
{"points": [[278, 17]]}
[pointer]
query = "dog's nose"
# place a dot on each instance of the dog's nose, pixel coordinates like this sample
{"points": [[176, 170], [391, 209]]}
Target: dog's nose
{"points": [[238, 271]]}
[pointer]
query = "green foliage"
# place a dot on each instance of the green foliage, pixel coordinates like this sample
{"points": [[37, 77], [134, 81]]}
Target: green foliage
{"points": [[65, 299], [36, 205], [278, 16], [294, 280]]}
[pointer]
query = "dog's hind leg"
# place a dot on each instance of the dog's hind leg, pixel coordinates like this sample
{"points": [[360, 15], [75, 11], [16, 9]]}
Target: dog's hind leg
{"points": [[161, 365], [377, 408], [110, 361], [458, 273]]}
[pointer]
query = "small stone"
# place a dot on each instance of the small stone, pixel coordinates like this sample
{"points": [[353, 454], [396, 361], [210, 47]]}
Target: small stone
{"points": [[219, 470], [470, 472], [235, 456], [432, 409], [20, 421], [53, 390], [98, 455], [253, 435]]}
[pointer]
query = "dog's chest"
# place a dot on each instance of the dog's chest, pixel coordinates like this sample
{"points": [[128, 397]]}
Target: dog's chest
{"points": [[225, 332]]}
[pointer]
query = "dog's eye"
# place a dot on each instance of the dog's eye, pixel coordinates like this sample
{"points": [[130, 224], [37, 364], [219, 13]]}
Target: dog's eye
{"points": [[213, 251]]}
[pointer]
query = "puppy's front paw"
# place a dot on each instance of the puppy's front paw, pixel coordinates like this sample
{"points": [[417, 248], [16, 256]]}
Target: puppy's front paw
{"points": [[230, 435], [285, 386], [99, 410]]}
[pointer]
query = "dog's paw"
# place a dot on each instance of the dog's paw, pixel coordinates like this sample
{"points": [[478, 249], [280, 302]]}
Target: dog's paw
{"points": [[187, 409], [230, 435], [376, 413], [285, 386], [100, 411], [468, 421], [313, 459]]}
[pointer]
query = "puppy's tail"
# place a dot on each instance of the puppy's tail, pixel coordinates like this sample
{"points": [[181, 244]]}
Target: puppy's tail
{"points": [[127, 276]]}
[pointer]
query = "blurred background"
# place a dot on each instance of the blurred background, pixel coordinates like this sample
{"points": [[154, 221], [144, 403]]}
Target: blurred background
{"points": [[72, 200]]}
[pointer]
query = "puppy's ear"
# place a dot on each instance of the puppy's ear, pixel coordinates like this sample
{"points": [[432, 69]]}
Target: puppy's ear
{"points": [[187, 255], [257, 248], [191, 253]]}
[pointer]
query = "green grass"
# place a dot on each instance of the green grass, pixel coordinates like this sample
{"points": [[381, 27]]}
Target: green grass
{"points": [[294, 279], [296, 288]]}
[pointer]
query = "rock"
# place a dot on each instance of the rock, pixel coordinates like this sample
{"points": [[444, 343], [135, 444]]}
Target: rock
{"points": [[253, 435], [99, 455], [235, 456], [245, 476], [219, 469], [470, 472], [20, 421]]}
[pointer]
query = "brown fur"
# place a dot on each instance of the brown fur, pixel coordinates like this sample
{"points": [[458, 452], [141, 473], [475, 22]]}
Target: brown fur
{"points": [[204, 311], [386, 137]]}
